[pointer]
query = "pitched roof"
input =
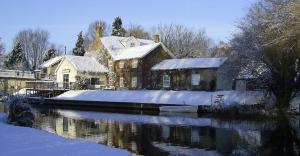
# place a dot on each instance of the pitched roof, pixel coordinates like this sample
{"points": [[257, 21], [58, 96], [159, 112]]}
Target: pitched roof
{"points": [[189, 63], [51, 62], [136, 52], [86, 64], [118, 51]]}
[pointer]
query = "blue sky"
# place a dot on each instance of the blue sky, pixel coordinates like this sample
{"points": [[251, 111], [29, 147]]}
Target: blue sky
{"points": [[63, 19]]}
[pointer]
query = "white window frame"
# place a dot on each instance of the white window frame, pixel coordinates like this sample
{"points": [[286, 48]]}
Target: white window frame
{"points": [[135, 63], [132, 44], [195, 79], [134, 82], [121, 64], [121, 82], [166, 81], [110, 63]]}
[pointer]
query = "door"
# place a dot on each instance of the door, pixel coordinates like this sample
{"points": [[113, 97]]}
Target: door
{"points": [[66, 83]]}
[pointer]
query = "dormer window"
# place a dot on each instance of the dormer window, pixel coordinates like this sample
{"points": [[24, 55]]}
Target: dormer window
{"points": [[130, 42], [110, 63]]}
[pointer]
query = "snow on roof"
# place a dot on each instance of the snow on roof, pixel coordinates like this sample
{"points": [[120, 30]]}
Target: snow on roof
{"points": [[86, 64], [135, 52], [190, 63], [51, 62], [119, 51]]}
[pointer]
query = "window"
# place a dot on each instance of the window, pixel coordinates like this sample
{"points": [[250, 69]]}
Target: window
{"points": [[66, 71], [166, 81], [94, 81], [65, 124], [134, 82], [121, 64], [195, 79], [110, 63], [132, 44], [121, 82], [66, 81], [135, 63]]}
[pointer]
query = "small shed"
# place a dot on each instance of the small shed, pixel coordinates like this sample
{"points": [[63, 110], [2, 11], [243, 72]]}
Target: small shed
{"points": [[187, 74]]}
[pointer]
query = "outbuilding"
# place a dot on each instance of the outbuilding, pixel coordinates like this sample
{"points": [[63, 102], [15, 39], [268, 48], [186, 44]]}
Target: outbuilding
{"points": [[188, 74], [73, 69]]}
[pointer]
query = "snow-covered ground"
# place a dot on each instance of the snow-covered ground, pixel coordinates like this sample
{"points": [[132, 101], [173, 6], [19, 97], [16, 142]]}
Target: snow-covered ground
{"points": [[16, 141], [167, 97]]}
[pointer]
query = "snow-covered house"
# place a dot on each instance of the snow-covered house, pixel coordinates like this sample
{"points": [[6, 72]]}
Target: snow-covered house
{"points": [[75, 68], [188, 74], [130, 59]]}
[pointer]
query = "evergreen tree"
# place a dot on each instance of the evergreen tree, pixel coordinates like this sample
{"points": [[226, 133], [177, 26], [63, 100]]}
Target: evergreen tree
{"points": [[50, 53], [79, 48], [118, 30], [15, 58]]}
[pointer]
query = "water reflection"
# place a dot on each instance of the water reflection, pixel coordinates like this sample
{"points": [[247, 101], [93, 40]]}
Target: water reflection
{"points": [[165, 134], [169, 135]]}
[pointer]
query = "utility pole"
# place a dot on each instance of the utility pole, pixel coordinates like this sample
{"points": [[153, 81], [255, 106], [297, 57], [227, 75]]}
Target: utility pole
{"points": [[65, 50]]}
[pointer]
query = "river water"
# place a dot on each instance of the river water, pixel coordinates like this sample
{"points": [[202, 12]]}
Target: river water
{"points": [[169, 134]]}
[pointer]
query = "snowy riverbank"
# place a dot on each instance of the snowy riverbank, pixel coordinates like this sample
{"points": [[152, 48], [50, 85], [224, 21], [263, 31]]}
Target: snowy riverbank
{"points": [[167, 97], [16, 141]]}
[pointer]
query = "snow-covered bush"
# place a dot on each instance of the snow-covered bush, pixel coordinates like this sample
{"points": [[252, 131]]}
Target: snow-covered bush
{"points": [[19, 112], [81, 83]]}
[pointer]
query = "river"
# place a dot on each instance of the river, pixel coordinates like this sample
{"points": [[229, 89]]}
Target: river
{"points": [[169, 134]]}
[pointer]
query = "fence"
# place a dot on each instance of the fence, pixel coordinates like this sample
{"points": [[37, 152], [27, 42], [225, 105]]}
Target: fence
{"points": [[16, 74]]}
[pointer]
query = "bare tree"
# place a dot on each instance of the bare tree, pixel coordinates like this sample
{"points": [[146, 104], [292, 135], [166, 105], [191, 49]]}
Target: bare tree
{"points": [[270, 35], [137, 31], [220, 50], [184, 41], [34, 44], [91, 32], [2, 51]]}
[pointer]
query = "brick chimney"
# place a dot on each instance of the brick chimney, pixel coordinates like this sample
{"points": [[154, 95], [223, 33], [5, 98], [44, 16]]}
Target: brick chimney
{"points": [[156, 38]]}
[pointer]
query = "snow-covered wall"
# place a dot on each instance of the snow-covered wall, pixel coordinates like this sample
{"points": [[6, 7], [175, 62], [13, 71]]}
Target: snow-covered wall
{"points": [[195, 98]]}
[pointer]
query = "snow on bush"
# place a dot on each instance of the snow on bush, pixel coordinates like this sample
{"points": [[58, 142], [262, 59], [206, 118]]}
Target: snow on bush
{"points": [[20, 113]]}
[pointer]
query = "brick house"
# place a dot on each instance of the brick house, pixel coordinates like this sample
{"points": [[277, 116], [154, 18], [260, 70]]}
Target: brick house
{"points": [[129, 59]]}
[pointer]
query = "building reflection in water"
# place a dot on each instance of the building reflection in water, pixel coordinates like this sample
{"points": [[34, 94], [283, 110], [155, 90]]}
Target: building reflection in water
{"points": [[158, 139]]}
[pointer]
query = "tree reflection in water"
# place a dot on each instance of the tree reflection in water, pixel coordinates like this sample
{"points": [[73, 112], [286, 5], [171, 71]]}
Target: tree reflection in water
{"points": [[210, 136], [283, 140]]}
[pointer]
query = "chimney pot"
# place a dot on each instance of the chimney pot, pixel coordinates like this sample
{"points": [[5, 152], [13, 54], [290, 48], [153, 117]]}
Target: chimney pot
{"points": [[156, 38]]}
